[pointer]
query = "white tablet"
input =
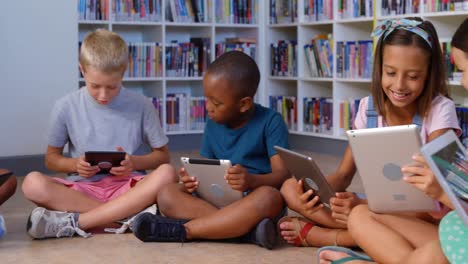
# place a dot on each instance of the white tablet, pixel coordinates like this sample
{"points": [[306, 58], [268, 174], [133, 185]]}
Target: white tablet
{"points": [[379, 154], [448, 159], [304, 168], [212, 187]]}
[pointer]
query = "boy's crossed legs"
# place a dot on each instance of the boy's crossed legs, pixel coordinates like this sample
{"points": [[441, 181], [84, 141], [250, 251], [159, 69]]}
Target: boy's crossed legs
{"points": [[92, 213], [208, 222]]}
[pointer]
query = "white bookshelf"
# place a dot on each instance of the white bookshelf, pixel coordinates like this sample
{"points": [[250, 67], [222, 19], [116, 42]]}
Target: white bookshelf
{"points": [[164, 32], [342, 29]]}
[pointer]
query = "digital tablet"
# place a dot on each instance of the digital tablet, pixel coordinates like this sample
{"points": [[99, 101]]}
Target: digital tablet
{"points": [[448, 160], [212, 187], [304, 168], [379, 154], [105, 160]]}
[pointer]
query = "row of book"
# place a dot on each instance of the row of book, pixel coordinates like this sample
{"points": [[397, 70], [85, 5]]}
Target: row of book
{"points": [[93, 9], [246, 45], [354, 59], [236, 11], [399, 7], [189, 59], [287, 107], [318, 10], [184, 112], [462, 113], [145, 60], [284, 58], [453, 73], [283, 11], [188, 11], [355, 8], [136, 10], [318, 115], [348, 111], [318, 56], [445, 5]]}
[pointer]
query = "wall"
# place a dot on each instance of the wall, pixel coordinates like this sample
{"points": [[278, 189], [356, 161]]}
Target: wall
{"points": [[38, 64]]}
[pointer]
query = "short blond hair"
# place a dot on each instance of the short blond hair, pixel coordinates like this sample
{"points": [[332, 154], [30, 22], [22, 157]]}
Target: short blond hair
{"points": [[105, 51]]}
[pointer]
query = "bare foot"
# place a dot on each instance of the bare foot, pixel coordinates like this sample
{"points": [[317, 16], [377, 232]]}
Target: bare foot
{"points": [[327, 256], [294, 230]]}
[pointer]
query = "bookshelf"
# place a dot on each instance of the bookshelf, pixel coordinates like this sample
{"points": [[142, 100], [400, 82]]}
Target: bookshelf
{"points": [[170, 25], [336, 26]]}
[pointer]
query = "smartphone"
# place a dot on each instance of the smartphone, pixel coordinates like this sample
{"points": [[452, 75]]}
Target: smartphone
{"points": [[105, 160]]}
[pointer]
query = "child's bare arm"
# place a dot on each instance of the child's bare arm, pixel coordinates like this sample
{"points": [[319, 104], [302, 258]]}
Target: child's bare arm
{"points": [[240, 179], [151, 160], [55, 161], [342, 177]]}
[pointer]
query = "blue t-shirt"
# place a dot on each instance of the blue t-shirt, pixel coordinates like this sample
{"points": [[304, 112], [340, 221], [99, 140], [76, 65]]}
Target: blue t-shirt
{"points": [[251, 145]]}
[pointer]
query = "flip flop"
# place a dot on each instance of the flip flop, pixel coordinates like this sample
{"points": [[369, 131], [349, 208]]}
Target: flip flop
{"points": [[300, 239], [352, 254]]}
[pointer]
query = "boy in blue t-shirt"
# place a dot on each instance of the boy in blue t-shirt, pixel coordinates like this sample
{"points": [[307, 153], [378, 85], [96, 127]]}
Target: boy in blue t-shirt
{"points": [[245, 133]]}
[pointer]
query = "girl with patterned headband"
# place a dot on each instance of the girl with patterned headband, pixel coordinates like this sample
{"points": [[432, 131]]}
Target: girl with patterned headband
{"points": [[408, 86]]}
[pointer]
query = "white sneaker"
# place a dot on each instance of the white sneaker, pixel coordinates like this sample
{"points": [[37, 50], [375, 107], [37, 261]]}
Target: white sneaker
{"points": [[43, 223], [128, 222]]}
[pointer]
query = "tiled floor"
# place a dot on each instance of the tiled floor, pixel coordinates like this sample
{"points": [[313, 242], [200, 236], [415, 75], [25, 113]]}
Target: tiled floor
{"points": [[17, 247]]}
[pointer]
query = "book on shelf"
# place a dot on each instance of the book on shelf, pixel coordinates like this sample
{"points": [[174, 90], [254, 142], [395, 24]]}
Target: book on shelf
{"points": [[236, 11], [444, 5], [287, 106], [453, 73], [184, 112], [136, 10], [400, 7], [354, 59], [348, 111], [197, 111], [241, 40], [157, 102], [93, 10], [348, 9], [283, 11], [284, 58], [246, 45], [188, 11], [318, 115], [176, 112], [145, 60], [318, 10], [319, 58], [188, 59]]}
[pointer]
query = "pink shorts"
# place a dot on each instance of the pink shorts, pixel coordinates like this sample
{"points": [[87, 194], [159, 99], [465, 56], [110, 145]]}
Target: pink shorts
{"points": [[106, 189]]}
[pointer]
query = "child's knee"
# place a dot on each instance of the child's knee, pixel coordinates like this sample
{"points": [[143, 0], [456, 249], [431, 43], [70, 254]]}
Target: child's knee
{"points": [[167, 196], [358, 214], [166, 173], [268, 199], [33, 184]]}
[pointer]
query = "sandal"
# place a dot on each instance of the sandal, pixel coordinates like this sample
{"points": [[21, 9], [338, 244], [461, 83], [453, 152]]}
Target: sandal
{"points": [[301, 238]]}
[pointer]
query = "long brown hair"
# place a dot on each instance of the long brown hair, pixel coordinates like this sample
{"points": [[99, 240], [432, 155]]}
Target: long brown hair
{"points": [[436, 80]]}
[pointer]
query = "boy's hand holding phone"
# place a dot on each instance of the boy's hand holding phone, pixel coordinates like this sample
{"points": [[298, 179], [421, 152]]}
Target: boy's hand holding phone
{"points": [[310, 203], [238, 178], [190, 182], [84, 168], [342, 204], [126, 167]]}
